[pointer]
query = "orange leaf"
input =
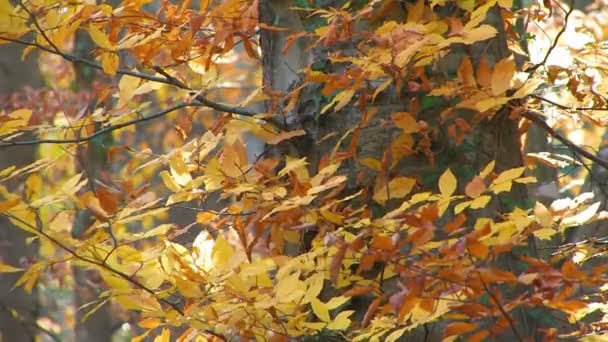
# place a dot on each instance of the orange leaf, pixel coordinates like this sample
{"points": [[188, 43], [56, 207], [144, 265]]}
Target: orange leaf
{"points": [[336, 263], [502, 75], [484, 73], [357, 291], [455, 224], [369, 314], [107, 199], [382, 242], [479, 250], [286, 136], [458, 328], [478, 337], [475, 187], [366, 263], [406, 122], [465, 73]]}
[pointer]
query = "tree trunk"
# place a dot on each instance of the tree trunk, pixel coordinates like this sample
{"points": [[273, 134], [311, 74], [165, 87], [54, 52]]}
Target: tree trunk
{"points": [[92, 161], [496, 139], [14, 75]]}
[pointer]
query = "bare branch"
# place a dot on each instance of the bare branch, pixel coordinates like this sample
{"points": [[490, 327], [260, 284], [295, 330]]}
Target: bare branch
{"points": [[533, 68]]}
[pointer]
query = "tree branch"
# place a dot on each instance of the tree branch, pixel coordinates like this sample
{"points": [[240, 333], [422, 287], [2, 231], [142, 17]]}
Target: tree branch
{"points": [[533, 68], [564, 107], [110, 269], [167, 79], [502, 310], [538, 120], [5, 143]]}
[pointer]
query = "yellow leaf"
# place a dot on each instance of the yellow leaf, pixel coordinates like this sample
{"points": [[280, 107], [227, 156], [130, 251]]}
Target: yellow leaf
{"points": [[22, 116], [341, 321], [405, 56], [478, 34], [336, 302], [222, 253], [320, 309], [127, 87], [371, 163], [340, 100], [502, 76], [395, 335], [29, 278], [290, 288], [100, 38], [491, 102], [203, 247], [169, 181], [315, 285], [447, 183], [292, 164], [4, 268], [526, 180], [286, 136], [17, 119], [480, 202], [141, 337], [114, 282], [509, 175], [461, 206], [400, 187], [139, 39], [545, 233], [508, 4], [205, 217], [543, 215], [8, 204], [179, 170], [527, 89], [486, 170], [331, 183], [10, 22], [110, 62], [165, 336], [467, 5]]}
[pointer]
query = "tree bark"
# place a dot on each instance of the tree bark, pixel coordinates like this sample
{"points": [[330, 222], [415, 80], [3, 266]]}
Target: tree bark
{"points": [[14, 75]]}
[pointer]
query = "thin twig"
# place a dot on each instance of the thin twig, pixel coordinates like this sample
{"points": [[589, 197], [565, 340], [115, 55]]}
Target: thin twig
{"points": [[533, 68], [501, 308]]}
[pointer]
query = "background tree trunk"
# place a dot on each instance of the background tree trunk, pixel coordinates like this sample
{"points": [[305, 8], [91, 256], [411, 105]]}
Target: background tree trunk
{"points": [[14, 75], [92, 160]]}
